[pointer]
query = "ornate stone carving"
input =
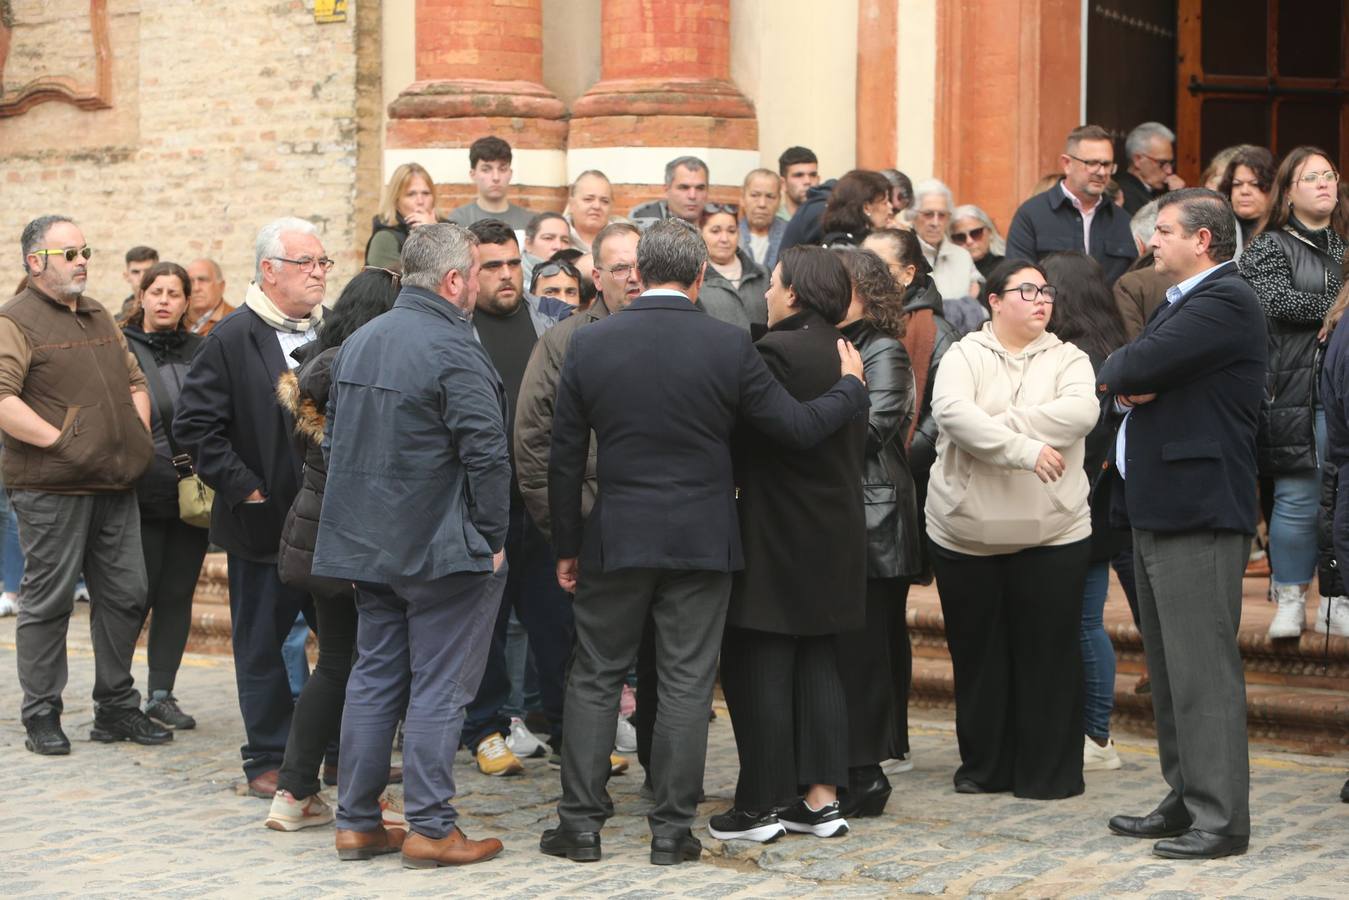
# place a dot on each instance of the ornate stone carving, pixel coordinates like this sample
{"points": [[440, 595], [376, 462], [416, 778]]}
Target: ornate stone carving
{"points": [[25, 77]]}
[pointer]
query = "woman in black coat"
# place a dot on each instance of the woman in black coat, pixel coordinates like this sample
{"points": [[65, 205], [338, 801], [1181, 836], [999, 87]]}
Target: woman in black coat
{"points": [[173, 549], [803, 529], [318, 711], [875, 661]]}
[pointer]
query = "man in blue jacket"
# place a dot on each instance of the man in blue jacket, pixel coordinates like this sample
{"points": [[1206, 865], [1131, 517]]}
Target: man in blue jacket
{"points": [[416, 514], [1192, 384]]}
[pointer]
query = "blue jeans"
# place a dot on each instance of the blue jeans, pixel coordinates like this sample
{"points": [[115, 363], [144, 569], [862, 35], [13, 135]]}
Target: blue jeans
{"points": [[11, 554], [1292, 526], [1098, 654]]}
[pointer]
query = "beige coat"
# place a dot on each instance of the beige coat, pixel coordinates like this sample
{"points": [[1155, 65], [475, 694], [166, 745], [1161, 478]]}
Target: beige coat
{"points": [[995, 411]]}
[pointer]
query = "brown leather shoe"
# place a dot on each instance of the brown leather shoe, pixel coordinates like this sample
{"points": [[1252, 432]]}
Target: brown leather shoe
{"points": [[330, 775], [422, 852], [368, 844], [264, 786]]}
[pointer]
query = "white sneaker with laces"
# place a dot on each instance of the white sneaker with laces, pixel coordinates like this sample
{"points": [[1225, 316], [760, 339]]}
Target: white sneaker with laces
{"points": [[1336, 609], [9, 604], [899, 765], [625, 737], [1292, 615], [1096, 758], [289, 814], [522, 742]]}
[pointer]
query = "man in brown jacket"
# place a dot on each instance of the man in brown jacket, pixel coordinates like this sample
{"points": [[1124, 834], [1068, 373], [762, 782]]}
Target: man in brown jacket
{"points": [[76, 420], [1140, 290]]}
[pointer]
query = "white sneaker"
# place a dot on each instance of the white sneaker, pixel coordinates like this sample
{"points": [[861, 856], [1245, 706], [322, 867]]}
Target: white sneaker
{"points": [[898, 765], [625, 737], [1096, 758], [522, 742], [289, 814], [1292, 615], [81, 594], [9, 604], [1338, 614]]}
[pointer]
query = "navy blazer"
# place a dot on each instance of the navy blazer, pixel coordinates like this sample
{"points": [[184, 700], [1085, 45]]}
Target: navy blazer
{"points": [[239, 436], [1190, 461], [663, 386]]}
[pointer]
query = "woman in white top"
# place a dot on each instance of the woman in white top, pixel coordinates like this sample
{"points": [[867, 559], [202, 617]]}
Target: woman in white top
{"points": [[1010, 527]]}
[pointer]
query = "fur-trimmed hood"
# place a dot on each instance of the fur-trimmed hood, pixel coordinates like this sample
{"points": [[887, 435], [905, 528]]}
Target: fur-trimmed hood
{"points": [[303, 393]]}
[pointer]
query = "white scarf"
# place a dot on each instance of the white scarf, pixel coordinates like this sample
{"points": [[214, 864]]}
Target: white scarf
{"points": [[261, 304]]}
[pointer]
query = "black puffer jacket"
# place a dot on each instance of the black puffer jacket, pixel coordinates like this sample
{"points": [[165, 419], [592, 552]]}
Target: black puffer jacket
{"points": [[922, 294], [1296, 275], [304, 392], [894, 546], [172, 351]]}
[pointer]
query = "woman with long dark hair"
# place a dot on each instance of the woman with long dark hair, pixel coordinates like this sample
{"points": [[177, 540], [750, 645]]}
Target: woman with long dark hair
{"points": [[858, 205], [875, 660], [318, 712], [1295, 266], [1086, 316], [803, 529], [1246, 184], [173, 549]]}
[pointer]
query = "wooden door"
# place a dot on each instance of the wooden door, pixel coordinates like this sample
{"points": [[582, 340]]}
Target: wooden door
{"points": [[1266, 72], [1131, 66]]}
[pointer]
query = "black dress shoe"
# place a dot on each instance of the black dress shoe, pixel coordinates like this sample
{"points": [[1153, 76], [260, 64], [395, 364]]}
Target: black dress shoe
{"points": [[577, 846], [127, 724], [45, 736], [1154, 825], [868, 792], [1196, 844], [670, 851]]}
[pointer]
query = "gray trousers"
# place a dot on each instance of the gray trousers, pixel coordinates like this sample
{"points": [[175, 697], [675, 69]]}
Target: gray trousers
{"points": [[688, 609], [62, 535], [420, 646], [1189, 602]]}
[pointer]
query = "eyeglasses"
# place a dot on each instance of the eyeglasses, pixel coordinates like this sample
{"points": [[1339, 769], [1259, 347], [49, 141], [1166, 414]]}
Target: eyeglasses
{"points": [[711, 209], [397, 278], [1093, 165], [974, 234], [69, 252], [620, 271], [307, 263], [1167, 164], [1029, 292], [933, 214], [1311, 178]]}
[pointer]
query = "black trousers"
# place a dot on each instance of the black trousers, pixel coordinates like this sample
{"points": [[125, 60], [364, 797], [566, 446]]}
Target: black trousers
{"points": [[1012, 625], [173, 553], [317, 720], [875, 664], [789, 713], [262, 613]]}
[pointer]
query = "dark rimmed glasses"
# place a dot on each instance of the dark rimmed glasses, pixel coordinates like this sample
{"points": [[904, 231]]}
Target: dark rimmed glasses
{"points": [[1029, 292], [1107, 166]]}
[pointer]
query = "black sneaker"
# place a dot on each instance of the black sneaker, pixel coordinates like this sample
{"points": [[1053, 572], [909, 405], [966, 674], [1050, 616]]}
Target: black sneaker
{"points": [[164, 709], [827, 822], [127, 724], [744, 825], [45, 736]]}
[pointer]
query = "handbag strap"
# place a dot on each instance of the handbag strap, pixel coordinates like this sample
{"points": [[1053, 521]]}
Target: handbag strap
{"points": [[159, 392]]}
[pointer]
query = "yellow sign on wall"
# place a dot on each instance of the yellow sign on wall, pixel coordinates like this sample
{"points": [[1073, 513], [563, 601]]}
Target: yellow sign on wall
{"points": [[329, 11]]}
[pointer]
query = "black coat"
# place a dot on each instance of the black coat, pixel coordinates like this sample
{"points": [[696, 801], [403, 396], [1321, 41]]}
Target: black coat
{"points": [[229, 420], [1335, 399], [894, 542], [1047, 223], [802, 519], [157, 489], [662, 386], [804, 226], [304, 394], [1191, 451], [1106, 540]]}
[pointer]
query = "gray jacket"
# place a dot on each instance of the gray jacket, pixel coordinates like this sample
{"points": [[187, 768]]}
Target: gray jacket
{"points": [[743, 306], [418, 471]]}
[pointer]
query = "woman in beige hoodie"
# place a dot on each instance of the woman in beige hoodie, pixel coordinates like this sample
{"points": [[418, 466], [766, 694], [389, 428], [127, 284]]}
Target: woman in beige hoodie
{"points": [[1010, 527]]}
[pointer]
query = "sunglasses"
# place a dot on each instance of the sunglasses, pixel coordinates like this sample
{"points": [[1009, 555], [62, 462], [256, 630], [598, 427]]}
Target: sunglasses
{"points": [[69, 252], [711, 209], [397, 278], [974, 234]]}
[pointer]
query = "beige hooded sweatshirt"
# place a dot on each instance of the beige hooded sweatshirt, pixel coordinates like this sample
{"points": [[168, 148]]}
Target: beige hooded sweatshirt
{"points": [[995, 411]]}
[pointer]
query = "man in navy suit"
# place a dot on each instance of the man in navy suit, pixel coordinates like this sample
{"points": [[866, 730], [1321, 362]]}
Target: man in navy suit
{"points": [[1191, 387], [662, 386]]}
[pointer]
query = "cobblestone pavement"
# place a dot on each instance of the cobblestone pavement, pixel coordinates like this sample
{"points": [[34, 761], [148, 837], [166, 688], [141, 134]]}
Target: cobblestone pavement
{"points": [[120, 820]]}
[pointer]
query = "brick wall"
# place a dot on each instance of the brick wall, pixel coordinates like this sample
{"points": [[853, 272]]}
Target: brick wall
{"points": [[223, 116]]}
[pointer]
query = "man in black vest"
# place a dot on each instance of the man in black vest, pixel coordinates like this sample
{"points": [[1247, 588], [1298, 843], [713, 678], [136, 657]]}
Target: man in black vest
{"points": [[662, 386], [1191, 387]]}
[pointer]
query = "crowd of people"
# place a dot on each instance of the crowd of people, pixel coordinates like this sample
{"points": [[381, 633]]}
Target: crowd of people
{"points": [[537, 480]]}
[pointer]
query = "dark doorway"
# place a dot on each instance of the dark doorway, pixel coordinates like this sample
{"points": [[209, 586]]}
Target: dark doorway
{"points": [[1131, 66]]}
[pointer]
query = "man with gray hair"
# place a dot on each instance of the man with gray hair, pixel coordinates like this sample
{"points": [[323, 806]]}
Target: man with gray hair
{"points": [[76, 420], [415, 512], [686, 179], [239, 437], [1142, 289], [1151, 151], [953, 268], [662, 386]]}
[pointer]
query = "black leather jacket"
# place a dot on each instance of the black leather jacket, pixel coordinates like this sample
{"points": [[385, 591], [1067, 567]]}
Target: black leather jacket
{"points": [[894, 543]]}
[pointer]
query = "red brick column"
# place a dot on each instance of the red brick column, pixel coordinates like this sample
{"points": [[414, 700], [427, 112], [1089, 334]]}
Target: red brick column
{"points": [[664, 91], [479, 67]]}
